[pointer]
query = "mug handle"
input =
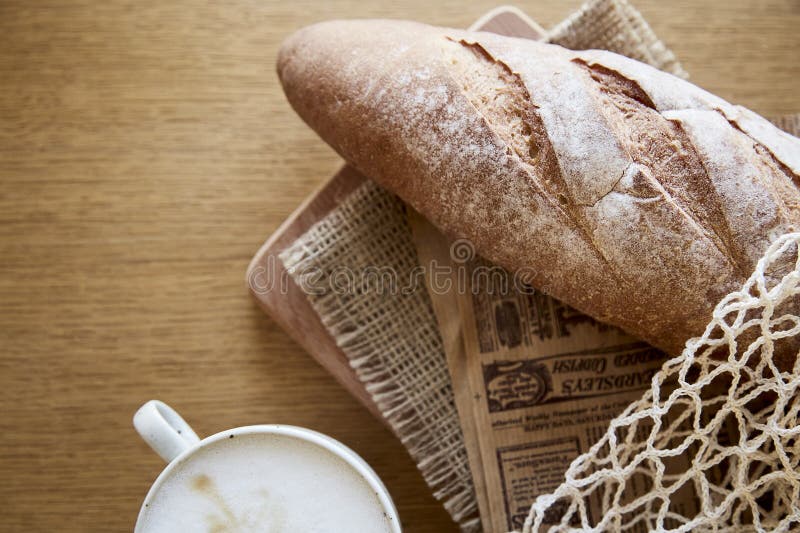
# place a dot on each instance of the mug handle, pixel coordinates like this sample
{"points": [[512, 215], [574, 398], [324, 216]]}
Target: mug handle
{"points": [[163, 429]]}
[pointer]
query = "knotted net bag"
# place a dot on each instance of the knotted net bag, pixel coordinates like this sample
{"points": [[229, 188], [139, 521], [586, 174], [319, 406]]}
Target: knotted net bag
{"points": [[714, 445]]}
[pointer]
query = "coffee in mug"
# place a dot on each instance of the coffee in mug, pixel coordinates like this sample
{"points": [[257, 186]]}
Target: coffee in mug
{"points": [[269, 478]]}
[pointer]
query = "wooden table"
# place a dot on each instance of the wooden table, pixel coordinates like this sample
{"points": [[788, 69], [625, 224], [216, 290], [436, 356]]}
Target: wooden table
{"points": [[146, 151]]}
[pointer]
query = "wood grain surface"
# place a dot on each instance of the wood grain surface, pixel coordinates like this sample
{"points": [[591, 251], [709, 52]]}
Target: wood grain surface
{"points": [[146, 151]]}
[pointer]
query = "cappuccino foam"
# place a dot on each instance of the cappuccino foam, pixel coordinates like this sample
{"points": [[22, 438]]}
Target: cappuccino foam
{"points": [[264, 483]]}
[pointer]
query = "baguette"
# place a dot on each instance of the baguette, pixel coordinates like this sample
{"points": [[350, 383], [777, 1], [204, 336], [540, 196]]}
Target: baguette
{"points": [[629, 194]]}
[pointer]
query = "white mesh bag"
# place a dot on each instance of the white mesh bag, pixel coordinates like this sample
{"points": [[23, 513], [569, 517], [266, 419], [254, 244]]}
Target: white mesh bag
{"points": [[714, 445]]}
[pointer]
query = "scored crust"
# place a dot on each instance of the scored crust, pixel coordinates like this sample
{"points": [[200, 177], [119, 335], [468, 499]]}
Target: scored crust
{"points": [[623, 191]]}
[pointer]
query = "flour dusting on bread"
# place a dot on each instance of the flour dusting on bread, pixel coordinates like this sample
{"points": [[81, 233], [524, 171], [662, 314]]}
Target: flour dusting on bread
{"points": [[635, 197]]}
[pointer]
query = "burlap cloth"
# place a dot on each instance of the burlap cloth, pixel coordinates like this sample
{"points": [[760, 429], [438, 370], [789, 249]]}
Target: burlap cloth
{"points": [[392, 340]]}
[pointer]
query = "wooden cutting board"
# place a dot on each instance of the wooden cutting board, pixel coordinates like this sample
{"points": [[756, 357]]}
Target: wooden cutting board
{"points": [[287, 304]]}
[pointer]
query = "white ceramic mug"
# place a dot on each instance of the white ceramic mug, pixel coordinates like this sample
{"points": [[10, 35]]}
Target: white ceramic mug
{"points": [[243, 479]]}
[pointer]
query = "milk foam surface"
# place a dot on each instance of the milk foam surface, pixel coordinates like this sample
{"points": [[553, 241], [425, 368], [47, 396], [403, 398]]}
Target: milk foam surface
{"points": [[264, 483]]}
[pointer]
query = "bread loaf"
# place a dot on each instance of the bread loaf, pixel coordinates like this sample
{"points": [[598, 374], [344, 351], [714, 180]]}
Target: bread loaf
{"points": [[625, 192]]}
